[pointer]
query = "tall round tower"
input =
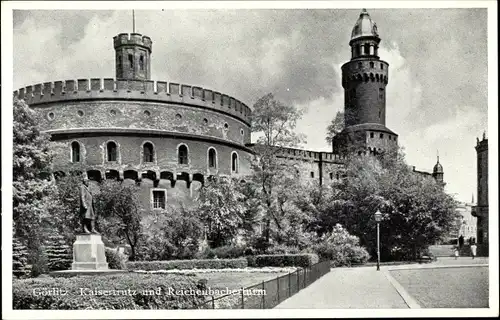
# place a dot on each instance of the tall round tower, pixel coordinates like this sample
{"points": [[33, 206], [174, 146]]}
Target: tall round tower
{"points": [[133, 56], [364, 79]]}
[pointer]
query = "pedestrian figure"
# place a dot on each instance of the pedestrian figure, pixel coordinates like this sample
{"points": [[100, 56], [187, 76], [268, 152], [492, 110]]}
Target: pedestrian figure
{"points": [[461, 241], [456, 253], [473, 249]]}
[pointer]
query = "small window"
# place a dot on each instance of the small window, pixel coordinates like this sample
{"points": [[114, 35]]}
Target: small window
{"points": [[205, 121], [148, 152], [331, 175], [337, 176], [212, 158], [131, 60], [183, 154], [390, 137], [111, 151], [242, 132], [141, 62], [226, 126], [360, 65], [147, 113], [80, 113], [358, 50], [372, 65], [312, 174], [51, 115], [381, 136], [113, 112], [381, 93], [178, 116], [75, 152], [119, 61], [382, 66], [234, 162], [159, 199], [371, 134]]}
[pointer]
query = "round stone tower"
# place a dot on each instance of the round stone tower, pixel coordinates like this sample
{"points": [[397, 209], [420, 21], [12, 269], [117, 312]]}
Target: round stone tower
{"points": [[438, 172], [133, 56], [364, 79]]}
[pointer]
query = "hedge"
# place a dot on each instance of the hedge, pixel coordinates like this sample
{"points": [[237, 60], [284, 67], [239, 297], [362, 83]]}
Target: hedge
{"points": [[115, 259], [124, 291], [283, 260], [188, 264]]}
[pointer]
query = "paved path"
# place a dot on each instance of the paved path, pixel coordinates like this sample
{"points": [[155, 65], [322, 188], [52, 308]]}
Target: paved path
{"points": [[348, 288]]}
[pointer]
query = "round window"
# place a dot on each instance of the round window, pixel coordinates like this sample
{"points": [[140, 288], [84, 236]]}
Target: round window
{"points": [[205, 121], [242, 132], [147, 113], [113, 112], [51, 115], [80, 113], [226, 126], [178, 117]]}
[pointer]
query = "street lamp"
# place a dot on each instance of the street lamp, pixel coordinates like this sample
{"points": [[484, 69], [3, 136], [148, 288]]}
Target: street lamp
{"points": [[378, 218]]}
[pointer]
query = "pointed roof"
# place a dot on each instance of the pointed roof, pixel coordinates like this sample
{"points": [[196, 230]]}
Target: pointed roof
{"points": [[364, 26]]}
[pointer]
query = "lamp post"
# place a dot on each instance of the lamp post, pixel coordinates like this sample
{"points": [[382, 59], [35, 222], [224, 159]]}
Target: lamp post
{"points": [[378, 218]]}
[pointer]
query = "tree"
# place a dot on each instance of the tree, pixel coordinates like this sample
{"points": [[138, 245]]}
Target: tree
{"points": [[335, 127], [20, 266], [221, 209], [119, 213], [32, 186], [275, 122], [59, 253], [416, 210]]}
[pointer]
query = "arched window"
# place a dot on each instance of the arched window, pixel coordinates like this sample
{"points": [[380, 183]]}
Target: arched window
{"points": [[148, 152], [111, 151], [141, 62], [131, 61], [367, 48], [75, 152], [212, 158], [183, 154], [234, 162]]}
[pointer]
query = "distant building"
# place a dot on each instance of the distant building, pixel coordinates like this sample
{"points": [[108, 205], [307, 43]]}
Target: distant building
{"points": [[468, 226], [481, 210]]}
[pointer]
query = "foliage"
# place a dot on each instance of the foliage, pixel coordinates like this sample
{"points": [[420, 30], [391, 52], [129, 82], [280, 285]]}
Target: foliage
{"points": [[188, 264], [224, 252], [115, 259], [59, 254], [335, 127], [119, 213], [20, 266], [303, 260], [416, 210], [138, 284], [170, 234], [341, 248], [283, 249], [220, 208], [275, 123], [32, 187]]}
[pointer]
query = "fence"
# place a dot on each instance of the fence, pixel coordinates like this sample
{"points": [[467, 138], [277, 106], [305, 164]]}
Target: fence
{"points": [[268, 294]]}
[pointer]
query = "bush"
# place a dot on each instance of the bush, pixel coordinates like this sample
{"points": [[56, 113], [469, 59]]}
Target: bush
{"points": [[224, 252], [282, 249], [59, 254], [188, 264], [303, 260], [115, 259], [71, 297], [20, 266], [341, 248]]}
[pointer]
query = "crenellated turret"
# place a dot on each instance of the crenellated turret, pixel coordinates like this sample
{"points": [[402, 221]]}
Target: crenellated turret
{"points": [[133, 56]]}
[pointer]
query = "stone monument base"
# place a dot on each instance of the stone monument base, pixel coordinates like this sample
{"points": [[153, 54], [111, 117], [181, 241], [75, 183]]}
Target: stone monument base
{"points": [[89, 253]]}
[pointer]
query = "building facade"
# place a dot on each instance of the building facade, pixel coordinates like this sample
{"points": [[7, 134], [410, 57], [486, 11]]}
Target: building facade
{"points": [[481, 210], [169, 137]]}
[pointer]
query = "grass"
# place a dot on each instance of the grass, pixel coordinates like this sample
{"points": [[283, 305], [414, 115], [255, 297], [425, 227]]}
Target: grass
{"points": [[237, 280], [446, 287]]}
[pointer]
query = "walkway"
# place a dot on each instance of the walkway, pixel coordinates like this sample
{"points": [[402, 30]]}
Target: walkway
{"points": [[348, 288]]}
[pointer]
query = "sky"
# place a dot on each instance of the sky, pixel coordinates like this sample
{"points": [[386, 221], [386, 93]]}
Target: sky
{"points": [[438, 72]]}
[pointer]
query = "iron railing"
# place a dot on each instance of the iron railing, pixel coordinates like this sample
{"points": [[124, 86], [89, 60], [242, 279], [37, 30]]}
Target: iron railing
{"points": [[268, 294]]}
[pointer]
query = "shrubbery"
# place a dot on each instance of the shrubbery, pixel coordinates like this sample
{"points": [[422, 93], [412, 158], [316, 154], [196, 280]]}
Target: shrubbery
{"points": [[115, 259], [224, 252], [20, 266], [59, 254], [303, 260], [139, 284], [188, 264], [341, 248]]}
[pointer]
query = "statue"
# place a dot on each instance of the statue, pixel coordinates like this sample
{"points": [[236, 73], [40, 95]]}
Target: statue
{"points": [[87, 211]]}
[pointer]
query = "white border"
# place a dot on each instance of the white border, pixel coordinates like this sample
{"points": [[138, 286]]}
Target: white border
{"points": [[7, 76]]}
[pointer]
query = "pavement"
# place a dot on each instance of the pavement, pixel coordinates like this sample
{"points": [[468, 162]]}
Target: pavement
{"points": [[365, 287]]}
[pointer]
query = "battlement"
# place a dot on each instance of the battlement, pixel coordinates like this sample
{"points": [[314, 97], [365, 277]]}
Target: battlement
{"points": [[144, 90], [136, 39], [365, 70], [305, 155]]}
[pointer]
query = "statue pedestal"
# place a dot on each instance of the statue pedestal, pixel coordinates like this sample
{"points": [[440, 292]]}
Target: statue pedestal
{"points": [[88, 253]]}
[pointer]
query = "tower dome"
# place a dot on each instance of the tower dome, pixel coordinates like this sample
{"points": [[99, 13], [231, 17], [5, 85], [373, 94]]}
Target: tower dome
{"points": [[364, 27], [438, 168]]}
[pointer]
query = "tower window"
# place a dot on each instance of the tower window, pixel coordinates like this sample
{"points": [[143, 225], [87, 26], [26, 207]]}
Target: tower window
{"points": [[141, 62], [381, 93], [75, 152], [159, 199], [360, 65], [381, 136], [212, 158], [183, 154], [337, 176], [131, 60], [148, 151], [312, 174], [234, 162], [358, 50], [111, 151], [371, 134], [331, 175], [367, 48], [119, 61], [382, 66], [372, 65]]}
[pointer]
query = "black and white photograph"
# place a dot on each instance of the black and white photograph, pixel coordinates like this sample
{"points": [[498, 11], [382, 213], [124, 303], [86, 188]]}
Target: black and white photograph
{"points": [[249, 159]]}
